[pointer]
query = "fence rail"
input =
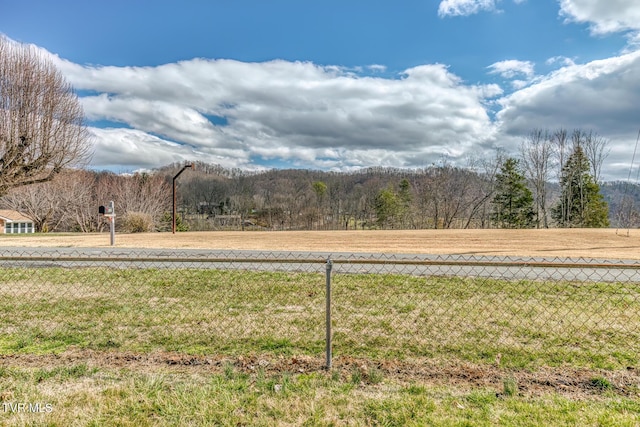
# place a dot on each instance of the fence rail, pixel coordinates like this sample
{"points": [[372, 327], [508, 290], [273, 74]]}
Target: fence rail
{"points": [[367, 305]]}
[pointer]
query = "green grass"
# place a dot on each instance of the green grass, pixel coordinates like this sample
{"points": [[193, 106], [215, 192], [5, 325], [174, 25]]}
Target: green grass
{"points": [[191, 311], [524, 323], [99, 397], [512, 326]]}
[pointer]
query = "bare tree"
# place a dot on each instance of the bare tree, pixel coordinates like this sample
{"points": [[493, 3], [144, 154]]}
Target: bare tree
{"points": [[67, 202], [562, 148], [39, 202], [143, 193], [41, 121], [597, 150], [78, 191], [478, 206], [537, 150], [241, 198], [449, 195]]}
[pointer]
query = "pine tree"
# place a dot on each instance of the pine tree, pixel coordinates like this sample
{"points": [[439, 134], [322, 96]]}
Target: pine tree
{"points": [[513, 202], [387, 208], [581, 204], [393, 208]]}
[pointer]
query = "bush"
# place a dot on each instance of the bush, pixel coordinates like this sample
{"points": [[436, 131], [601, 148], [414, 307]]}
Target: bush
{"points": [[137, 222], [167, 220]]}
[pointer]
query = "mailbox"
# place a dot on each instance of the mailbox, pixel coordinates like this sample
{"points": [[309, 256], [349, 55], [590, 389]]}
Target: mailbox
{"points": [[109, 213], [108, 210]]}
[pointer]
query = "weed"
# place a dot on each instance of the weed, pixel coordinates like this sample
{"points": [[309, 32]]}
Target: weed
{"points": [[356, 376], [229, 370], [375, 376], [601, 383], [510, 386]]}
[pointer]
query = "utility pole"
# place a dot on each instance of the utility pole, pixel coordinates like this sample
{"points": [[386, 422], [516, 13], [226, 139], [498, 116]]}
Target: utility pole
{"points": [[173, 221]]}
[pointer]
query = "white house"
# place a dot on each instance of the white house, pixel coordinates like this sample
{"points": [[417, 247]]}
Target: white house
{"points": [[14, 222]]}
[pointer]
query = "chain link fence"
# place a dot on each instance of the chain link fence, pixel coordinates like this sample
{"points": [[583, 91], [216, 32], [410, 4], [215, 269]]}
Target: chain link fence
{"points": [[363, 305]]}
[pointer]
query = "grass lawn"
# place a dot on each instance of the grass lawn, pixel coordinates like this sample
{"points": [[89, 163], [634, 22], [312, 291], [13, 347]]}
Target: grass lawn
{"points": [[109, 346]]}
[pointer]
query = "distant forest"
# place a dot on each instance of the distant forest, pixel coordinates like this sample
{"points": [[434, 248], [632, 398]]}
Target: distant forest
{"points": [[210, 197]]}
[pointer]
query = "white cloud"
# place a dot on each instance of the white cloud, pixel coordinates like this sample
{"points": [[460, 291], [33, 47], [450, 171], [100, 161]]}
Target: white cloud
{"points": [[377, 68], [242, 114], [519, 84], [132, 149], [468, 7], [299, 112], [521, 73], [602, 96], [634, 41], [464, 7], [604, 16], [512, 68], [602, 93], [562, 60]]}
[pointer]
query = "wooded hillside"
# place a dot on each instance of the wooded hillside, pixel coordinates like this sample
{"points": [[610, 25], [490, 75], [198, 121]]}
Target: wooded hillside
{"points": [[210, 197]]}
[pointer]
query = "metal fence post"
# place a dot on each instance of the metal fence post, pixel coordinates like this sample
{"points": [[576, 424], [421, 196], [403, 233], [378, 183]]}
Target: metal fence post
{"points": [[329, 267], [112, 223]]}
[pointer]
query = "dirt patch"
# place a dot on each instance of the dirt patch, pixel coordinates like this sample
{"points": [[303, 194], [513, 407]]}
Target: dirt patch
{"points": [[549, 243], [573, 383]]}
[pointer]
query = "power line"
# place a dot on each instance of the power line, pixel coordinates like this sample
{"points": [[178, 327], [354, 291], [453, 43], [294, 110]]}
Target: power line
{"points": [[626, 186]]}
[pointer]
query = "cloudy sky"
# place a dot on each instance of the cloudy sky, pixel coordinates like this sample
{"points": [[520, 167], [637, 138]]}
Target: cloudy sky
{"points": [[336, 84]]}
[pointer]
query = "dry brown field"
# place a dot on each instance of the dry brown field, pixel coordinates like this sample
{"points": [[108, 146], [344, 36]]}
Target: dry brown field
{"points": [[588, 243]]}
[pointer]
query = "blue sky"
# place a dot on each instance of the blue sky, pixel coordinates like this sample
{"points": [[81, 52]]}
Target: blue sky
{"points": [[339, 85]]}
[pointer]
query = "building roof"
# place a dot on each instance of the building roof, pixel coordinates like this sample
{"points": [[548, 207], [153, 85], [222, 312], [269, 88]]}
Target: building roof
{"points": [[13, 216]]}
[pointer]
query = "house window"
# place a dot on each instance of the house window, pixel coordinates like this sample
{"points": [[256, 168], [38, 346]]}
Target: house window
{"points": [[18, 227]]}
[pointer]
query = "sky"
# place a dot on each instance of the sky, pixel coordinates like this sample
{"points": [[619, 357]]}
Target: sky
{"points": [[339, 85]]}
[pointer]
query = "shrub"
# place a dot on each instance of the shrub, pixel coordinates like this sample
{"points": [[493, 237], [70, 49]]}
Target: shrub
{"points": [[166, 223], [137, 222]]}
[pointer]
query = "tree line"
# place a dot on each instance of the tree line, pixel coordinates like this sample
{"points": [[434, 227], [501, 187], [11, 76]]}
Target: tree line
{"points": [[553, 183], [490, 193], [70, 201]]}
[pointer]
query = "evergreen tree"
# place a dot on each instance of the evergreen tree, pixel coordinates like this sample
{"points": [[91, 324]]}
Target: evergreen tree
{"points": [[393, 209], [513, 202], [387, 208], [581, 204]]}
